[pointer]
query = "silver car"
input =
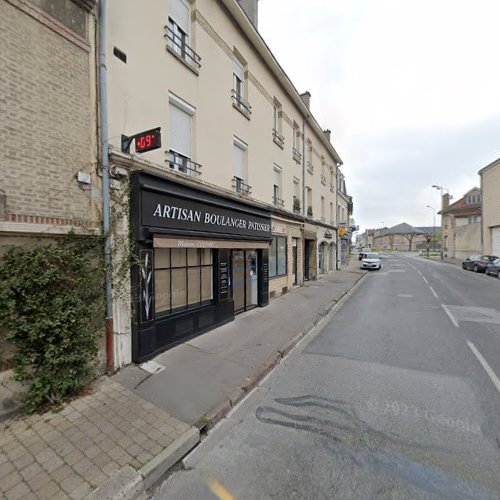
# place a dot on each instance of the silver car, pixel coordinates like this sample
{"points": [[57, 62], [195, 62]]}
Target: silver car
{"points": [[371, 261]]}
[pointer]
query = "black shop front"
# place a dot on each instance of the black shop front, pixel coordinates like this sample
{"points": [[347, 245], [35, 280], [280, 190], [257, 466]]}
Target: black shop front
{"points": [[202, 259]]}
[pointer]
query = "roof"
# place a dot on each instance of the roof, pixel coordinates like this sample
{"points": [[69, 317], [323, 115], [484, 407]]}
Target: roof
{"points": [[264, 51], [429, 229], [461, 207], [493, 164], [403, 228]]}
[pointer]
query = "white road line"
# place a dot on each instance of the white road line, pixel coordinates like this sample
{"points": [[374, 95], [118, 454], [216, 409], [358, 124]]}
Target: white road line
{"points": [[452, 318], [423, 277], [485, 365], [433, 292]]}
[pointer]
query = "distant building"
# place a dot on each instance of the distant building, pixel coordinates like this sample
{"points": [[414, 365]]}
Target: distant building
{"points": [[461, 225], [490, 187]]}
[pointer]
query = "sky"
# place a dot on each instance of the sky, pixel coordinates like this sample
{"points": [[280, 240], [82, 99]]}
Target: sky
{"points": [[409, 88]]}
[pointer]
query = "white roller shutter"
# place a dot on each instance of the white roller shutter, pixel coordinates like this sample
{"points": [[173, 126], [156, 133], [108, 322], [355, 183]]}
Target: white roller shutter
{"points": [[179, 12], [238, 69], [495, 241], [277, 177], [180, 131], [239, 162]]}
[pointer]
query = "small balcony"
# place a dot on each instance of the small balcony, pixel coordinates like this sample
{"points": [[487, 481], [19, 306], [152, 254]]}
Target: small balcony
{"points": [[241, 104], [323, 179], [182, 164], [278, 139], [240, 187], [310, 167], [297, 156], [278, 202], [179, 48]]}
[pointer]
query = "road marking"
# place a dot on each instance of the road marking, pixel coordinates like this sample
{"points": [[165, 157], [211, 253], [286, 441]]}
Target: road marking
{"points": [[485, 365], [452, 318], [220, 490], [433, 292], [425, 279]]}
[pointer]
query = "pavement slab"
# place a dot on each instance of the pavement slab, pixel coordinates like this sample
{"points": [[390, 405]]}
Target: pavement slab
{"points": [[69, 454]]}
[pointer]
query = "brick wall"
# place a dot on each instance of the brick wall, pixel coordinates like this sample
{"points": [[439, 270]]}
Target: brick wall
{"points": [[47, 105]]}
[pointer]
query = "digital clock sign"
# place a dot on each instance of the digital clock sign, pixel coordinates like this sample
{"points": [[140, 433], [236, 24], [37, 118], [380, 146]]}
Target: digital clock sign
{"points": [[144, 141]]}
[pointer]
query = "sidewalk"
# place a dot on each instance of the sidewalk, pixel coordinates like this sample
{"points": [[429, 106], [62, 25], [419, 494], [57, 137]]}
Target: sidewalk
{"points": [[130, 429], [204, 377], [447, 260]]}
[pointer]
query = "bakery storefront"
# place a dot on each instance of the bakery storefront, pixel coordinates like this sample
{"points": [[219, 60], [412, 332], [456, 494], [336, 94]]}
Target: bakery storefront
{"points": [[202, 259]]}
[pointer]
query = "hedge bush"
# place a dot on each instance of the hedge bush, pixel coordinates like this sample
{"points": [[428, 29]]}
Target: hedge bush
{"points": [[52, 308]]}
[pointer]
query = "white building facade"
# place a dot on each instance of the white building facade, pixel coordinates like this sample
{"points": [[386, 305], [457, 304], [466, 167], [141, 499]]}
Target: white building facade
{"points": [[240, 203]]}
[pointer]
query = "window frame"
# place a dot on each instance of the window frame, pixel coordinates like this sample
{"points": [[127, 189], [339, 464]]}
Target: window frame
{"points": [[277, 260], [187, 306]]}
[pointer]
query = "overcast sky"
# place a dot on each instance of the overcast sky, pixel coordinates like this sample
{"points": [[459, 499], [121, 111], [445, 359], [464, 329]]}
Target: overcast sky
{"points": [[409, 88]]}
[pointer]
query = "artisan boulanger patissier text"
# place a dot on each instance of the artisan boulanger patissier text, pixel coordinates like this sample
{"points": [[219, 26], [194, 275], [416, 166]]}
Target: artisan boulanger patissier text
{"points": [[186, 214]]}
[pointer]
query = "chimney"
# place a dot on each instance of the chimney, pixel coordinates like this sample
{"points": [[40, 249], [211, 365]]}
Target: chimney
{"points": [[251, 9], [445, 202], [328, 134], [306, 98]]}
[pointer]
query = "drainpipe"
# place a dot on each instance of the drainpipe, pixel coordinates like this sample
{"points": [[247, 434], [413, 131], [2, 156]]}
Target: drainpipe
{"points": [[337, 267], [105, 184], [304, 120]]}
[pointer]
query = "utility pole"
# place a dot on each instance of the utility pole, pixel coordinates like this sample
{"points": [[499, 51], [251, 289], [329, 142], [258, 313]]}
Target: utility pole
{"points": [[441, 188]]}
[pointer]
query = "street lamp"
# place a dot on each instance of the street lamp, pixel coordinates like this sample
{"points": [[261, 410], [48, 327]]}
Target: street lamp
{"points": [[441, 188], [433, 226]]}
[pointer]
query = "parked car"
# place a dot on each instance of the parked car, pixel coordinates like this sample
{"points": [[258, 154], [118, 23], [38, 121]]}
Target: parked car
{"points": [[371, 261], [478, 263], [363, 252], [494, 268]]}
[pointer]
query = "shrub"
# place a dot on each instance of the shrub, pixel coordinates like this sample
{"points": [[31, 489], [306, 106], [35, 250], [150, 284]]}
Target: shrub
{"points": [[52, 308]]}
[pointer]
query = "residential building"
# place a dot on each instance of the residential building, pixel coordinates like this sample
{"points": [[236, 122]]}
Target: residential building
{"points": [[48, 129], [237, 206], [461, 225], [490, 189], [344, 211]]}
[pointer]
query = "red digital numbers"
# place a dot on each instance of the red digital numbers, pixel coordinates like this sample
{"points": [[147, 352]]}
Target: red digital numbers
{"points": [[147, 141]]}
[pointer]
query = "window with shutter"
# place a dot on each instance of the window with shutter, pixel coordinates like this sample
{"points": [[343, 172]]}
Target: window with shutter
{"points": [[180, 131]]}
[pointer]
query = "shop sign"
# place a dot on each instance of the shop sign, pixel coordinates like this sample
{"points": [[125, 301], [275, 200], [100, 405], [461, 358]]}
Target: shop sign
{"points": [[172, 212]]}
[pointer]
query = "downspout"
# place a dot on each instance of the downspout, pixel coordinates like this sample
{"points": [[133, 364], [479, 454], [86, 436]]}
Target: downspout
{"points": [[105, 184], [304, 120], [482, 206], [337, 267]]}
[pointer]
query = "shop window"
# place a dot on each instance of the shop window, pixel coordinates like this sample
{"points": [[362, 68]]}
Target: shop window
{"points": [[277, 257], [183, 279]]}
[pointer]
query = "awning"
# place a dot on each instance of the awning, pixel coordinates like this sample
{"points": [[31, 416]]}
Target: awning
{"points": [[168, 242]]}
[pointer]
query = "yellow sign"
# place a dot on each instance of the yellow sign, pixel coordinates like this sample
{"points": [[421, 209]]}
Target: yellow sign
{"points": [[342, 231]]}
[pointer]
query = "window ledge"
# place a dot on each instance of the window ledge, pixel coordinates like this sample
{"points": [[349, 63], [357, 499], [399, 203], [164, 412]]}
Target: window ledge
{"points": [[182, 60], [278, 276], [279, 142]]}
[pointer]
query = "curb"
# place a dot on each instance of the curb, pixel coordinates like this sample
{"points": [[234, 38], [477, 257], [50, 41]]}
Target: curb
{"points": [[219, 411], [129, 484]]}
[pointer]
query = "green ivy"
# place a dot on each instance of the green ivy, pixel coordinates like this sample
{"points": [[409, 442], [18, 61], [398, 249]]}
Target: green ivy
{"points": [[52, 309]]}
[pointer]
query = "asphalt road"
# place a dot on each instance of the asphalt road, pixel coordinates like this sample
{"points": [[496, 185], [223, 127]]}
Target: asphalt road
{"points": [[398, 396]]}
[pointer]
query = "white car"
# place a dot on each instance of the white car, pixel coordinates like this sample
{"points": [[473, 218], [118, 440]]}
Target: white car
{"points": [[371, 261]]}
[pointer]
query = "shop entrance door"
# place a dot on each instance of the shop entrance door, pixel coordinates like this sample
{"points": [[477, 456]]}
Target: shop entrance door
{"points": [[244, 280], [294, 260]]}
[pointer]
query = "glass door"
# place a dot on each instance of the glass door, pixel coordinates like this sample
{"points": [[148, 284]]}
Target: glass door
{"points": [[244, 280], [238, 277], [251, 279]]}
